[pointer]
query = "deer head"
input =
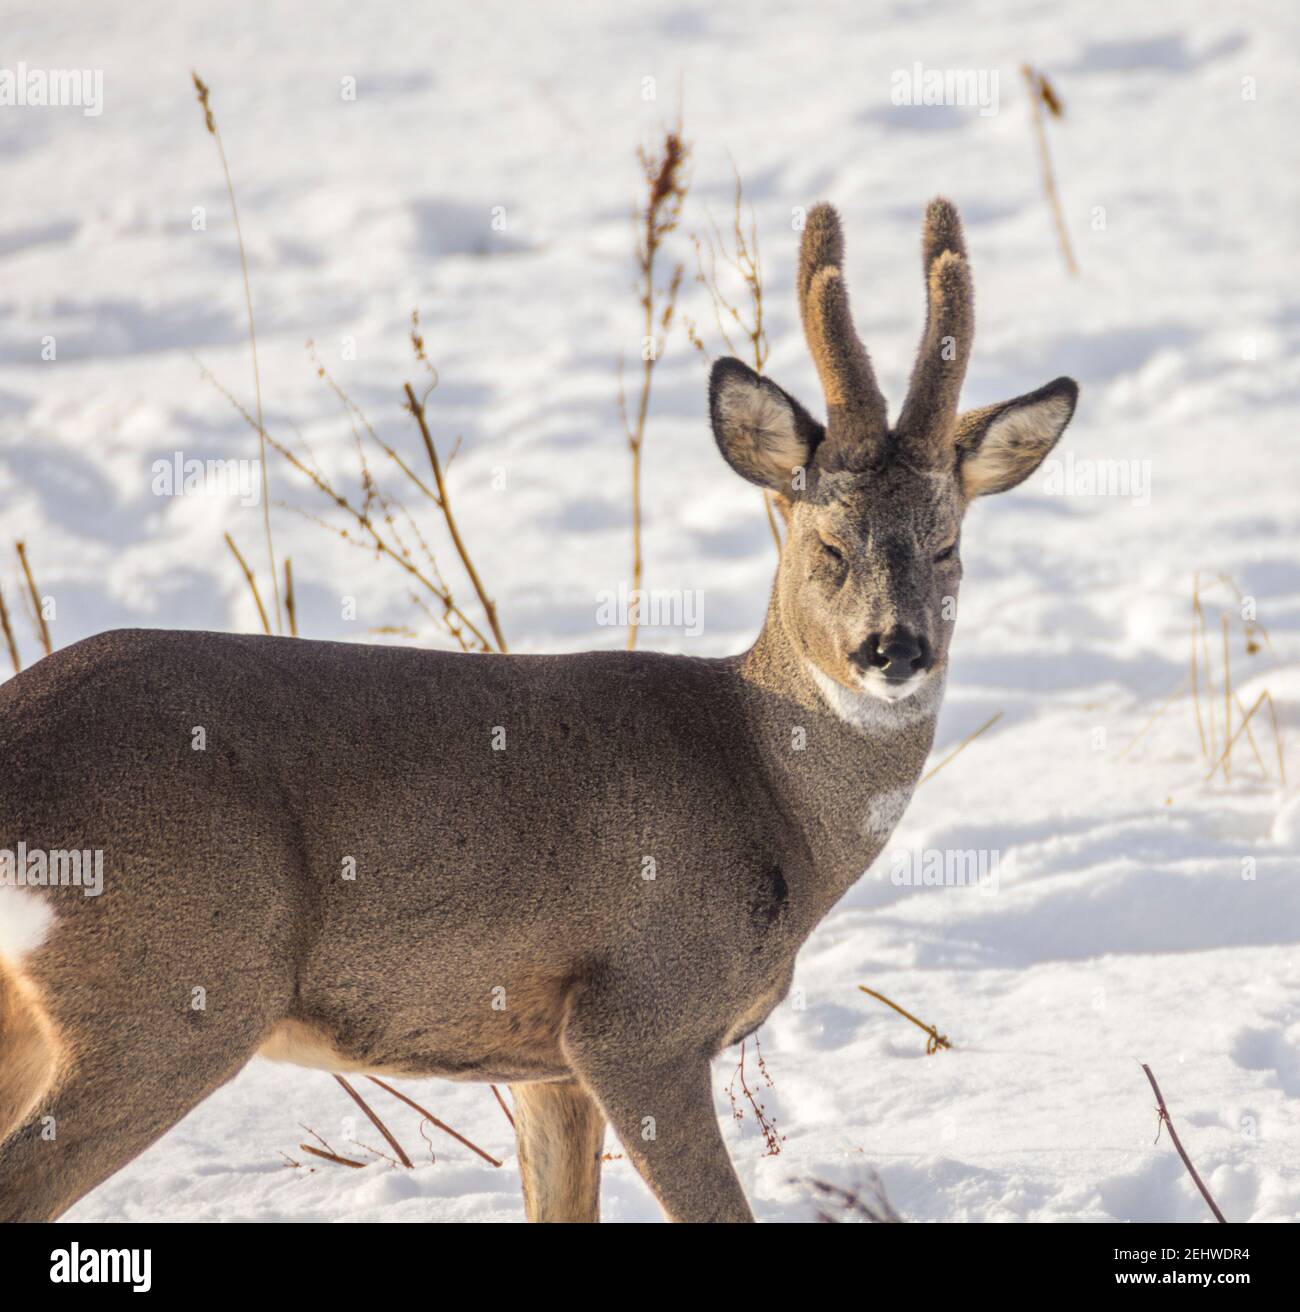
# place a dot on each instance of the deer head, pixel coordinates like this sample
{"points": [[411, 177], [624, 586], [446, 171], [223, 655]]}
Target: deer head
{"points": [[874, 514]]}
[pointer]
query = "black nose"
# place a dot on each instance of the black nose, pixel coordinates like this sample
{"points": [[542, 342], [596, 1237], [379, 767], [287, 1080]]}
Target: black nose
{"points": [[898, 655]]}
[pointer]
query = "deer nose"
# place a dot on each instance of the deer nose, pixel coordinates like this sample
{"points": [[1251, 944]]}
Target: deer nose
{"points": [[898, 655]]}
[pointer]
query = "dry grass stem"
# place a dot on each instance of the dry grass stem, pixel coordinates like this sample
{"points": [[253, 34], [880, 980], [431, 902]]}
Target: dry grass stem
{"points": [[934, 1043], [1160, 710], [1217, 742], [290, 600], [742, 258], [443, 502], [666, 185], [252, 583], [1227, 702], [961, 747], [380, 521], [14, 659], [1042, 96], [1227, 750], [34, 596], [210, 122]]}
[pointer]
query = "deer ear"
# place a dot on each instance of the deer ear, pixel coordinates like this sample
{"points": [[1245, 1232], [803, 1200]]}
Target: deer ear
{"points": [[764, 434], [1001, 445]]}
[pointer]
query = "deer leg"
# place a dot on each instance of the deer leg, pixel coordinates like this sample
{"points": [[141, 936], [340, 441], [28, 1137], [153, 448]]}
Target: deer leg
{"points": [[561, 1133], [101, 1115], [118, 1074], [661, 1108]]}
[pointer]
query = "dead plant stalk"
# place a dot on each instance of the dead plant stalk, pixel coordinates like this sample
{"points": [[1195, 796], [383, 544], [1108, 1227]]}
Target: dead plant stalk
{"points": [[1043, 96], [666, 190], [9, 636], [210, 122], [745, 263], [1165, 1119], [38, 611], [443, 502], [251, 581]]}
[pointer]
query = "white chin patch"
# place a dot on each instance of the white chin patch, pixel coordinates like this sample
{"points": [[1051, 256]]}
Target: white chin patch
{"points": [[875, 704], [888, 690]]}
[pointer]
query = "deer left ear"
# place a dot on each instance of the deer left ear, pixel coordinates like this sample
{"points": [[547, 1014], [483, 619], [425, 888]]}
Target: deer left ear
{"points": [[1000, 445], [764, 434]]}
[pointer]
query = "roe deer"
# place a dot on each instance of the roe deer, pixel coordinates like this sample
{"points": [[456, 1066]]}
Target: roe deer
{"points": [[496, 815]]}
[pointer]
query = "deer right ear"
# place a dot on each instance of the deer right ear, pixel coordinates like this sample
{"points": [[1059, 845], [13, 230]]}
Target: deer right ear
{"points": [[764, 434]]}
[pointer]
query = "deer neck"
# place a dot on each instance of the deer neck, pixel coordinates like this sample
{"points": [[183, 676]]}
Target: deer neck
{"points": [[842, 765]]}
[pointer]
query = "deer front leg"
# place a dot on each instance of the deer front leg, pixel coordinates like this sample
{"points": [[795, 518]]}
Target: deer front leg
{"points": [[560, 1133], [661, 1108]]}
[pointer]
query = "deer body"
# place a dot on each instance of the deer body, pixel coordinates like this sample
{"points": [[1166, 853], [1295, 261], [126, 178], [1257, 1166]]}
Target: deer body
{"points": [[582, 875]]}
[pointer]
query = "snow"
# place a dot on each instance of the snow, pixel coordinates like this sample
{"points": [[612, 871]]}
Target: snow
{"points": [[1139, 913]]}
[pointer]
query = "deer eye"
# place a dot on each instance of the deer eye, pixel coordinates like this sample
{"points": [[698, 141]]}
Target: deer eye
{"points": [[834, 553], [946, 554]]}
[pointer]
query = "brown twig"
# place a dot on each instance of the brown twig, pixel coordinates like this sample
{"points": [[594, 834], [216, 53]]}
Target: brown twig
{"points": [[961, 747], [766, 1123], [744, 262], [252, 583], [372, 539], [290, 601], [375, 1121], [935, 1041], [877, 1210], [502, 1103], [332, 1157], [9, 635], [443, 502], [666, 190], [1165, 1119], [210, 122], [38, 617], [429, 1116], [1042, 95]]}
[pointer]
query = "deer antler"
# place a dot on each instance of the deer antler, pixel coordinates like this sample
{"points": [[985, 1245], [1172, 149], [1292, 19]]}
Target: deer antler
{"points": [[857, 426], [931, 406]]}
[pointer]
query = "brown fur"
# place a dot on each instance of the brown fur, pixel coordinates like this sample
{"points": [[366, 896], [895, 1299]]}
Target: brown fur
{"points": [[502, 924], [560, 1132]]}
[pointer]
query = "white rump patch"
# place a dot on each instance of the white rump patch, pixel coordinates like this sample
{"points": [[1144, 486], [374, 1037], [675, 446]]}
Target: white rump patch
{"points": [[25, 920]]}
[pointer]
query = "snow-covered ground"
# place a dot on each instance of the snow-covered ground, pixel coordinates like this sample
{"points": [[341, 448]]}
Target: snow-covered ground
{"points": [[1140, 912]]}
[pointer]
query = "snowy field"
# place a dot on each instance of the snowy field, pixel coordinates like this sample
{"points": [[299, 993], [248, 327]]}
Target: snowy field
{"points": [[1141, 913]]}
